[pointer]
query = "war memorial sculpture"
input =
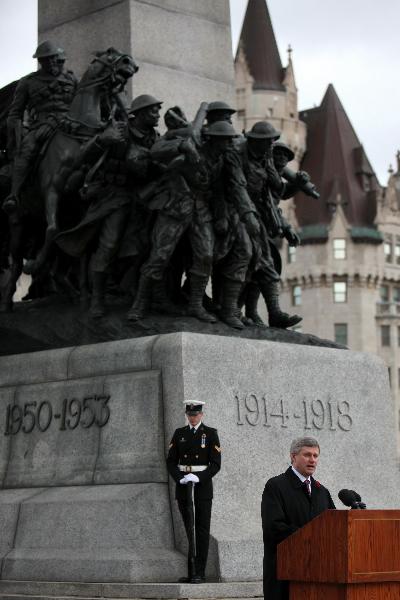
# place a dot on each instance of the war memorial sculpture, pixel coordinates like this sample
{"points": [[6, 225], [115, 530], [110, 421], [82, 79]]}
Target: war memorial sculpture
{"points": [[149, 245], [100, 194]]}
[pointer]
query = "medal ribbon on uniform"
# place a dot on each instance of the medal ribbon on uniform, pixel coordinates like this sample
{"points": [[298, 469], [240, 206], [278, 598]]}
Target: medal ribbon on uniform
{"points": [[203, 440]]}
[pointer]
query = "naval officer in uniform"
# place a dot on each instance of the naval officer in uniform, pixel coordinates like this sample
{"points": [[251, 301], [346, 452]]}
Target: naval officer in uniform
{"points": [[194, 458]]}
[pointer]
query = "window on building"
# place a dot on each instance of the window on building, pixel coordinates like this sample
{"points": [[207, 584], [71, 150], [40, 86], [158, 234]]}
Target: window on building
{"points": [[390, 376], [398, 336], [397, 252], [291, 254], [341, 333], [296, 295], [388, 250], [384, 293], [270, 112], [340, 291], [339, 248], [385, 335], [396, 294]]}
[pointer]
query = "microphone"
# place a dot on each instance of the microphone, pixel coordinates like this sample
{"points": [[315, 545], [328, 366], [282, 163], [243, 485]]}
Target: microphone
{"points": [[352, 499]]}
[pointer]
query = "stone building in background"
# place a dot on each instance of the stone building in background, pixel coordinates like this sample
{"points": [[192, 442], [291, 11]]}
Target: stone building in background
{"points": [[344, 279]]}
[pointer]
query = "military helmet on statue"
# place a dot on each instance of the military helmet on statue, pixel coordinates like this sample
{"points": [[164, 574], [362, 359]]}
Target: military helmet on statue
{"points": [[46, 49], [280, 146], [219, 105], [263, 131], [143, 101], [221, 129]]}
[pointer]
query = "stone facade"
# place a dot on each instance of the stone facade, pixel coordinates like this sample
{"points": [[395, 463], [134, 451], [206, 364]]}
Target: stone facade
{"points": [[174, 43], [89, 499]]}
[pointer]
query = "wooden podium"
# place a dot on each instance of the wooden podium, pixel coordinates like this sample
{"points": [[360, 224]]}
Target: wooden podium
{"points": [[344, 555]]}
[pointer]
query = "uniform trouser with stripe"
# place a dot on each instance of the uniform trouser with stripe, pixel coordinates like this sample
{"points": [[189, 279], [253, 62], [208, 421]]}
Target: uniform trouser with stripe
{"points": [[202, 523]]}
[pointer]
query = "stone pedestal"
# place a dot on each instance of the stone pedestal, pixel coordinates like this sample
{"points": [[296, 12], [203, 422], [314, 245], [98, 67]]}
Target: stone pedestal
{"points": [[183, 47], [84, 432]]}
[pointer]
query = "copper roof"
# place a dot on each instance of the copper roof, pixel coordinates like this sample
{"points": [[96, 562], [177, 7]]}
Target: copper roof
{"points": [[259, 45], [338, 166]]}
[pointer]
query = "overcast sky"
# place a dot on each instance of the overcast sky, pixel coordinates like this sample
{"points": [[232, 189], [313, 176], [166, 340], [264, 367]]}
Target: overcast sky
{"points": [[354, 44]]}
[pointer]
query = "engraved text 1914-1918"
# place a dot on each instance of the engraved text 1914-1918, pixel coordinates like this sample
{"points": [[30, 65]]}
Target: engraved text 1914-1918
{"points": [[313, 413]]}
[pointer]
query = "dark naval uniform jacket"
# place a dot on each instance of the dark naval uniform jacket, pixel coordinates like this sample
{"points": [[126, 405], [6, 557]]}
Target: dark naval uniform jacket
{"points": [[285, 507], [199, 449]]}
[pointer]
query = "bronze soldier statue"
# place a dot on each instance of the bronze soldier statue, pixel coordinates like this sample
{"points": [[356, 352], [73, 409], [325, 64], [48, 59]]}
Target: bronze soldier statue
{"points": [[262, 177], [186, 209], [237, 232], [282, 154], [45, 96], [190, 208], [125, 164]]}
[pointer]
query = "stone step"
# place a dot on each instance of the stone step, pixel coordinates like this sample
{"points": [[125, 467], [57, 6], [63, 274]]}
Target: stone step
{"points": [[47, 590]]}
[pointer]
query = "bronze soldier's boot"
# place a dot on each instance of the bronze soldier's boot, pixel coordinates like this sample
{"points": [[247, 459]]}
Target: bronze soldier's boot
{"points": [[251, 304], [230, 311], [97, 308], [196, 309], [141, 305], [161, 302], [276, 318]]}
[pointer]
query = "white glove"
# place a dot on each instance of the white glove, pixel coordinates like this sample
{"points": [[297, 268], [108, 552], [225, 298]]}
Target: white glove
{"points": [[183, 480], [191, 477]]}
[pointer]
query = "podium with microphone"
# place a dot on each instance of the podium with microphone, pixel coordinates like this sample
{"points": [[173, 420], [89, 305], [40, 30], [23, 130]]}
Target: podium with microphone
{"points": [[344, 554]]}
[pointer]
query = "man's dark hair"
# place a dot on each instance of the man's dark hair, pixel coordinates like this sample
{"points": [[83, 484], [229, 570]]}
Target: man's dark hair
{"points": [[300, 442]]}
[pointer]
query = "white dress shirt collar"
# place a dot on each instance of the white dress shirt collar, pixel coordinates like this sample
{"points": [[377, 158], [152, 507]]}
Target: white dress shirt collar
{"points": [[195, 426], [300, 476]]}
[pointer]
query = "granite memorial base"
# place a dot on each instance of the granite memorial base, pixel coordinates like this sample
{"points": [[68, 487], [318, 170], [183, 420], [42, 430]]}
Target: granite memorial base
{"points": [[84, 432]]}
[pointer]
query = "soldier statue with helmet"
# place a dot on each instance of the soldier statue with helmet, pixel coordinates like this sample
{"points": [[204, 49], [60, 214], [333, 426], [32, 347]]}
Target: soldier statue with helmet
{"points": [[264, 186], [44, 96], [191, 209], [114, 217]]}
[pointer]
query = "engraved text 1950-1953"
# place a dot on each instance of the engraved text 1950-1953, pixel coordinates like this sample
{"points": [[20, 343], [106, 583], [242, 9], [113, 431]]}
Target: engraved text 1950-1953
{"points": [[71, 413]]}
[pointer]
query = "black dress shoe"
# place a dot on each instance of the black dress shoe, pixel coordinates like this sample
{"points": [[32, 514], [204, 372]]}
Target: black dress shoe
{"points": [[197, 579], [184, 580]]}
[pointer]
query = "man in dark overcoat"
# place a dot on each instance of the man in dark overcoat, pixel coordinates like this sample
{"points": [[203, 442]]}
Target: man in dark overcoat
{"points": [[194, 458], [289, 501]]}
